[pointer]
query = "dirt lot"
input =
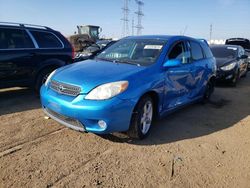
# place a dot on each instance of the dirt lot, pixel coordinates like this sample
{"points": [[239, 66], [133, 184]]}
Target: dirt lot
{"points": [[199, 146]]}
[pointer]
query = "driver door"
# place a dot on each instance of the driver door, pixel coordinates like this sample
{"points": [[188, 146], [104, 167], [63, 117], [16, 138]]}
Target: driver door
{"points": [[179, 81]]}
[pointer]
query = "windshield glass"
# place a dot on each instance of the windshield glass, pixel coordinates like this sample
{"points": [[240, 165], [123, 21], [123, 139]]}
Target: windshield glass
{"points": [[224, 52], [134, 51], [94, 32]]}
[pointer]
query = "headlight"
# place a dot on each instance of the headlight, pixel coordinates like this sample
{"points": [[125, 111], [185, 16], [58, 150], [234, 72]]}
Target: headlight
{"points": [[49, 78], [228, 67], [83, 55], [107, 91]]}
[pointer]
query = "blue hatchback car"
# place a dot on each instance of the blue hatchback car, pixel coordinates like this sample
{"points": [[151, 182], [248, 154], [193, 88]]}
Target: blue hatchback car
{"points": [[129, 84]]}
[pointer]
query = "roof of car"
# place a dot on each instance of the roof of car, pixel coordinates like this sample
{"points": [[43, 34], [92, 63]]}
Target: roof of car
{"points": [[163, 37], [23, 25]]}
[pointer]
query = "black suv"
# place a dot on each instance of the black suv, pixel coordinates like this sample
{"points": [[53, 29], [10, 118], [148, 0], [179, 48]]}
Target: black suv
{"points": [[29, 53], [244, 43]]}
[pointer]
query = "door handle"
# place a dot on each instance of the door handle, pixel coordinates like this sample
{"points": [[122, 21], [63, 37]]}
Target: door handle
{"points": [[31, 54]]}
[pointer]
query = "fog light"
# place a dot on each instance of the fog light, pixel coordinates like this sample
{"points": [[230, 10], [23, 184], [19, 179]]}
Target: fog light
{"points": [[229, 77], [102, 124]]}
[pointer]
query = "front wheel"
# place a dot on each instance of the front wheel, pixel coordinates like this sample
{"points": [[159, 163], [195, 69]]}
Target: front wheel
{"points": [[235, 79], [142, 118], [245, 74], [41, 78]]}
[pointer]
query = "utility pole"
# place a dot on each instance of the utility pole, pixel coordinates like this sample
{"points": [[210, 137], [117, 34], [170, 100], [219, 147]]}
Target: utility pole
{"points": [[125, 10], [211, 32], [139, 14]]}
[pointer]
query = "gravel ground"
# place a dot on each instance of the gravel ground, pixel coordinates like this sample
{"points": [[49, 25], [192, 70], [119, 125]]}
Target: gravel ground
{"points": [[198, 146]]}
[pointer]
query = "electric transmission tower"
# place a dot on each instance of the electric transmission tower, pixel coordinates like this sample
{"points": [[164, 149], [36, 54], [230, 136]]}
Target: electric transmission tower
{"points": [[125, 9], [133, 27], [139, 14]]}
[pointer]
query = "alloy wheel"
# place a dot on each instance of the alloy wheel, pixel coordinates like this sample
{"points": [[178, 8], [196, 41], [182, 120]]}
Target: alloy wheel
{"points": [[147, 116]]}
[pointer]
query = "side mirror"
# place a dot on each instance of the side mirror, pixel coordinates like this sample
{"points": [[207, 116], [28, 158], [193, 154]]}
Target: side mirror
{"points": [[172, 63], [244, 57]]}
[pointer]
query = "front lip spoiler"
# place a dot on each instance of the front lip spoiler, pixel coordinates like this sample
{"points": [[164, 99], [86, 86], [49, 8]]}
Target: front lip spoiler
{"points": [[63, 122]]}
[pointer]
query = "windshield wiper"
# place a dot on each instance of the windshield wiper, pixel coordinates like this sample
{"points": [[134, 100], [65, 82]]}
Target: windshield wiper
{"points": [[127, 62], [104, 59]]}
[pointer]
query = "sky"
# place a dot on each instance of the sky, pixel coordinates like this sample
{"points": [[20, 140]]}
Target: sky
{"points": [[230, 18]]}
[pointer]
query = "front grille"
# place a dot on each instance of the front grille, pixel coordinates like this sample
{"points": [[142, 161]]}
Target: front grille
{"points": [[65, 120], [65, 89]]}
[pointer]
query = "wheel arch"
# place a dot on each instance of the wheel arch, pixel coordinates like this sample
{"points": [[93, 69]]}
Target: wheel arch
{"points": [[213, 79], [48, 64], [156, 100]]}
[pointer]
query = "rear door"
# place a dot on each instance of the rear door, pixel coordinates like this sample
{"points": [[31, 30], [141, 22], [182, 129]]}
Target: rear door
{"points": [[179, 80], [199, 69], [16, 57], [50, 48]]}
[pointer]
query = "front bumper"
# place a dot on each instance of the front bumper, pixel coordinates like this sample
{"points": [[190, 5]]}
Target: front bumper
{"points": [[83, 115], [225, 75]]}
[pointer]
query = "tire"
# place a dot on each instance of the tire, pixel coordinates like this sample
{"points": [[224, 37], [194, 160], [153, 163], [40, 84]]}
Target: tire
{"points": [[208, 91], [142, 118], [235, 80], [245, 74], [41, 78]]}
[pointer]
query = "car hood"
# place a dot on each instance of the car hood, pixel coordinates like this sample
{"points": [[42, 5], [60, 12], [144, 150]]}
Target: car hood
{"points": [[223, 61], [92, 73]]}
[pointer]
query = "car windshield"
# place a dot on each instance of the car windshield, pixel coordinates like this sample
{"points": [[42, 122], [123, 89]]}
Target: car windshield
{"points": [[142, 52], [224, 52]]}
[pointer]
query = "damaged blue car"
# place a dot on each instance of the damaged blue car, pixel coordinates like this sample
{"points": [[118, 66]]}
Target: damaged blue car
{"points": [[129, 84]]}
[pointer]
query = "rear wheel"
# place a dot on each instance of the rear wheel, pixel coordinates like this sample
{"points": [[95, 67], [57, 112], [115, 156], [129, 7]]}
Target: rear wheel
{"points": [[142, 118], [41, 78], [209, 91]]}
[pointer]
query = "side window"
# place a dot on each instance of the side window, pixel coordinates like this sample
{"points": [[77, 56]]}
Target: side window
{"points": [[207, 51], [46, 39], [242, 52], [14, 39], [179, 52], [196, 51]]}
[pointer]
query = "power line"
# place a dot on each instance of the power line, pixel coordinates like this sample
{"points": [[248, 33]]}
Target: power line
{"points": [[139, 14], [125, 9]]}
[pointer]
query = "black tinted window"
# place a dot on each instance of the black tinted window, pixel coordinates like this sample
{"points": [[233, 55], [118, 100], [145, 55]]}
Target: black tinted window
{"points": [[178, 52], [46, 40], [196, 51], [14, 39]]}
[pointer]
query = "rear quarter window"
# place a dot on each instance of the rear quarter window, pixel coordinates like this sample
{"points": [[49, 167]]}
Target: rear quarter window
{"points": [[46, 39], [207, 51], [196, 51]]}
